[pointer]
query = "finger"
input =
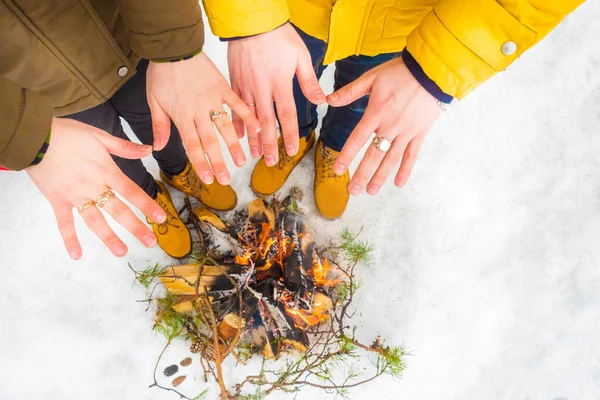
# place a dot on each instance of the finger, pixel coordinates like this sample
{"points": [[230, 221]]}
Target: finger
{"points": [[369, 164], [268, 136], [193, 146], [94, 220], [122, 148], [408, 160], [212, 148], [131, 192], [387, 166], [352, 91], [253, 136], [227, 131], [288, 117], [238, 123], [64, 219], [124, 216], [242, 110], [161, 124], [357, 139], [309, 84]]}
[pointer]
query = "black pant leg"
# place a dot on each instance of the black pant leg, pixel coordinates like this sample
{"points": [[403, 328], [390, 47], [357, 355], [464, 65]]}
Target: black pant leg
{"points": [[131, 103]]}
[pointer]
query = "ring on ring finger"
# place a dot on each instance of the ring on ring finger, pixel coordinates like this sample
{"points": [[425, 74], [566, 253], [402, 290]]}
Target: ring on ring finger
{"points": [[216, 114], [382, 144]]}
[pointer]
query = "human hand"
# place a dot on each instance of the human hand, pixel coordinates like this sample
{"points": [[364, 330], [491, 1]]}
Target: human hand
{"points": [[76, 169], [262, 70], [400, 110], [187, 92]]}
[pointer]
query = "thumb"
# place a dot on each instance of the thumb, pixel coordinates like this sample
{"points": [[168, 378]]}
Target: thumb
{"points": [[308, 80], [352, 91], [123, 148], [161, 124]]}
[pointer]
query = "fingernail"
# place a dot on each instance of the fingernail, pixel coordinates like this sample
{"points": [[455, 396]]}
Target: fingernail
{"points": [[270, 161], [254, 152], [240, 161], [159, 216], [144, 148], [150, 240], [372, 189], [120, 249], [75, 254], [333, 96], [257, 129], [207, 178], [291, 150], [339, 169], [224, 178], [355, 190], [401, 182]]}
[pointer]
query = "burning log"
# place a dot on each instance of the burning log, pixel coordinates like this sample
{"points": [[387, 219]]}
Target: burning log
{"points": [[281, 279]]}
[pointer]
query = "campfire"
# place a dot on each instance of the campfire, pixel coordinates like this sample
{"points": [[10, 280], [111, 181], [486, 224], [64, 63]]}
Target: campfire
{"points": [[285, 286], [270, 292]]}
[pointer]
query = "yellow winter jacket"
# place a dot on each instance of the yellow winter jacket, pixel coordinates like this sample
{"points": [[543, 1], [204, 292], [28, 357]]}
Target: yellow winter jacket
{"points": [[458, 43]]}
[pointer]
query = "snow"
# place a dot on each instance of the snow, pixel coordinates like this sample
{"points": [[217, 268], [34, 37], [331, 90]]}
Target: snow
{"points": [[487, 263]]}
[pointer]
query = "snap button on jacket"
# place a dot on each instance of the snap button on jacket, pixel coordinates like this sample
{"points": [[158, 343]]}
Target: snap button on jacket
{"points": [[63, 56]]}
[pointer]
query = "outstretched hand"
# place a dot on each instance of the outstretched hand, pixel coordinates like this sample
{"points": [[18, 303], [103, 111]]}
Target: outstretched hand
{"points": [[69, 178], [262, 70], [400, 110], [187, 92]]}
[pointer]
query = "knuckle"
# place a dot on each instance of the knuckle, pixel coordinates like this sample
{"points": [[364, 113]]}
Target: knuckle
{"points": [[63, 224], [210, 141], [129, 191], [91, 219], [286, 115]]}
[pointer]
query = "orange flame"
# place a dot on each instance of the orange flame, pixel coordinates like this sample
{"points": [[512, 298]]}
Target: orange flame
{"points": [[320, 272]]}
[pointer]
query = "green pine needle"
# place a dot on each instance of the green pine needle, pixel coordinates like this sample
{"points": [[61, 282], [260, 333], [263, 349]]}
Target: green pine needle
{"points": [[147, 276], [203, 395], [355, 250]]}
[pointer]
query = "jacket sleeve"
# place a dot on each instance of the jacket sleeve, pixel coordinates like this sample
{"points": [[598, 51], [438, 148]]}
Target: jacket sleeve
{"points": [[25, 119], [163, 30], [240, 18], [462, 43]]}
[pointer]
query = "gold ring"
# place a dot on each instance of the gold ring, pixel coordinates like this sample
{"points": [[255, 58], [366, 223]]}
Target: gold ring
{"points": [[104, 198], [85, 206], [215, 114]]}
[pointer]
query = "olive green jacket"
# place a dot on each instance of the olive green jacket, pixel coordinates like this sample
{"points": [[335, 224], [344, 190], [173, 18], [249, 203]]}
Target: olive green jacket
{"points": [[59, 57]]}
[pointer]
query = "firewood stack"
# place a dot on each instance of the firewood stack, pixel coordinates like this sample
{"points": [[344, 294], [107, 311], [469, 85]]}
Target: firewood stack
{"points": [[285, 286]]}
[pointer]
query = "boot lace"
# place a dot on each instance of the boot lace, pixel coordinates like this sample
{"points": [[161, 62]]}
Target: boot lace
{"points": [[163, 227], [328, 162], [284, 158]]}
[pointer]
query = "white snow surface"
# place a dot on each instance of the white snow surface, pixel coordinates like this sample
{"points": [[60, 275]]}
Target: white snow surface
{"points": [[487, 264]]}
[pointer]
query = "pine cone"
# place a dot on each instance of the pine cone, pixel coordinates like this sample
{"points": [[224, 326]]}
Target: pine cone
{"points": [[196, 347], [208, 353], [296, 193]]}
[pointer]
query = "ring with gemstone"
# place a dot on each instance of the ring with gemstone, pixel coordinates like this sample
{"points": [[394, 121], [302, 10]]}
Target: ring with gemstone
{"points": [[382, 144], [215, 114], [104, 198]]}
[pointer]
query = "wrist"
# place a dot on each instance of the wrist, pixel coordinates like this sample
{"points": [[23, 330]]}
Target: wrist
{"points": [[428, 84]]}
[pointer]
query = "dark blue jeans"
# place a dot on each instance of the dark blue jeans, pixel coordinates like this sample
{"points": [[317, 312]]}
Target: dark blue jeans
{"points": [[339, 122]]}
